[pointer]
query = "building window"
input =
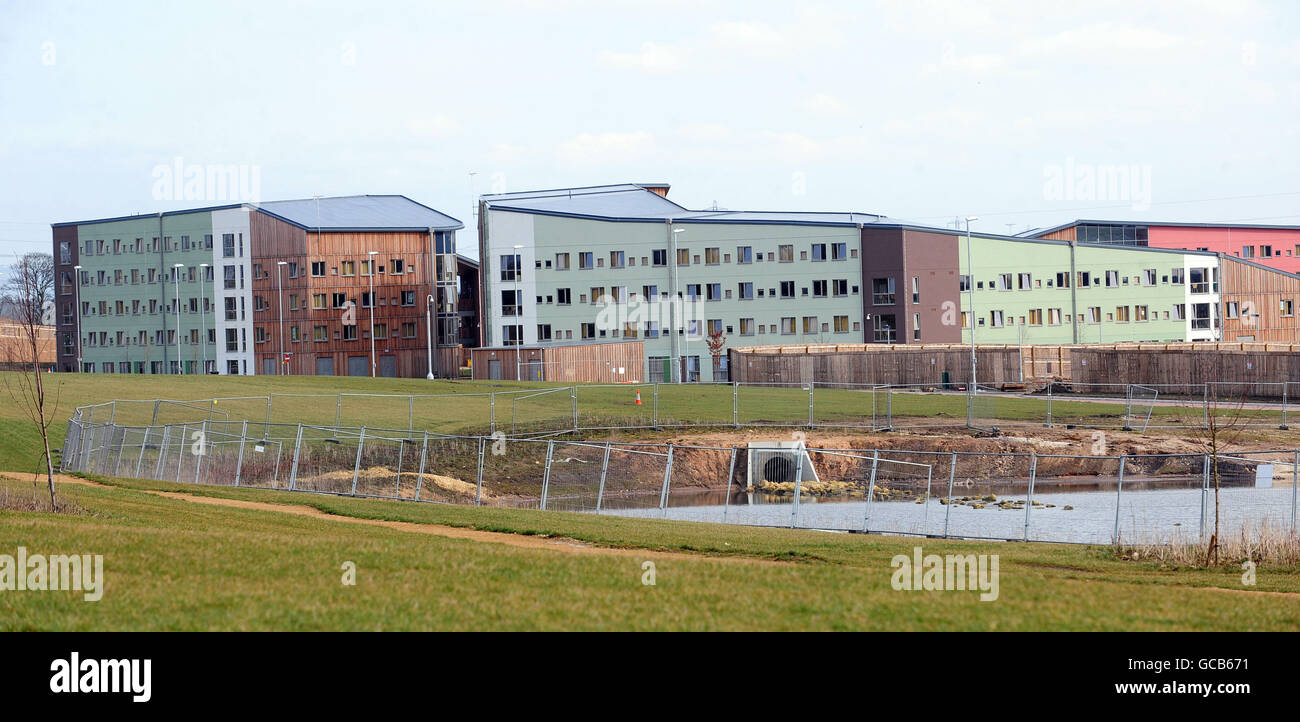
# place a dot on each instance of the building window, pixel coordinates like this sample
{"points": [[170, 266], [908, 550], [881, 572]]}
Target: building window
{"points": [[916, 289], [381, 331], [1288, 307], [786, 253], [350, 332], [883, 328], [963, 284], [319, 333], [1121, 314], [744, 254], [227, 245], [882, 291], [318, 269], [561, 261], [408, 330], [746, 327], [617, 259], [659, 257], [819, 251]]}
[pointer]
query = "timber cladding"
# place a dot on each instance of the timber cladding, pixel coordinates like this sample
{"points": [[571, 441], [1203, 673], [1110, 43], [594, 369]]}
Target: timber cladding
{"points": [[1184, 370], [866, 365], [602, 363], [1171, 366]]}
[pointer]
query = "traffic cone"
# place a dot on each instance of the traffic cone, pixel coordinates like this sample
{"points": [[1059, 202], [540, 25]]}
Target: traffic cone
{"points": [[638, 397]]}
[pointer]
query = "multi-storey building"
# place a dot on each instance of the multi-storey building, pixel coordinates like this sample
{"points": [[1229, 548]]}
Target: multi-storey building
{"points": [[1270, 245], [621, 262], [554, 264], [328, 285]]}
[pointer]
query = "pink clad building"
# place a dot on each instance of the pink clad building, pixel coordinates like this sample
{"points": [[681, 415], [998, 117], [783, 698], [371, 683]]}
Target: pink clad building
{"points": [[1274, 246]]}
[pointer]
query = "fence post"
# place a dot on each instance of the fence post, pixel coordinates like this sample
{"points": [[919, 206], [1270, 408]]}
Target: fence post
{"points": [[889, 407], [1050, 385], [952, 474], [266, 430], [663, 493], [297, 447], [1206, 404], [239, 465], [139, 462], [275, 476], [798, 480], [604, 469], [731, 473], [1295, 484], [1119, 492], [871, 489], [478, 484], [546, 471], [424, 453], [180, 450], [162, 453], [656, 410], [812, 413], [410, 418], [573, 404], [203, 449], [356, 468], [117, 465], [153, 421], [492, 409], [1284, 426], [735, 405], [1029, 499]]}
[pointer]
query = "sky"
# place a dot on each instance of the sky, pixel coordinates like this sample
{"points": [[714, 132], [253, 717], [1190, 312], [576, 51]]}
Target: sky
{"points": [[1177, 110]]}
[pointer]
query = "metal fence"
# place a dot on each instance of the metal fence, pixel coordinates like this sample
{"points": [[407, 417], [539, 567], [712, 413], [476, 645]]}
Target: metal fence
{"points": [[948, 494]]}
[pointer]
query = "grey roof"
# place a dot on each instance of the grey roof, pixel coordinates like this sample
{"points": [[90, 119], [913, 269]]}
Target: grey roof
{"points": [[625, 200], [337, 213], [360, 213], [632, 202]]}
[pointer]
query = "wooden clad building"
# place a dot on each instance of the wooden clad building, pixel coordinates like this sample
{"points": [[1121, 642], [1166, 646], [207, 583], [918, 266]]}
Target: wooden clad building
{"points": [[622, 362]]}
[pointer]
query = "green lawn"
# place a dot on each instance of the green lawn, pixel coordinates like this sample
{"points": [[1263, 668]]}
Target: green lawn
{"points": [[173, 564]]}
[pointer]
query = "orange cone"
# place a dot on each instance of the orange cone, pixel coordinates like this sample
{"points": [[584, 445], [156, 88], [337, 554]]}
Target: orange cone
{"points": [[638, 397]]}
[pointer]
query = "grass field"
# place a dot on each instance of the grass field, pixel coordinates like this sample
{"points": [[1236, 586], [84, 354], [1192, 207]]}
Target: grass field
{"points": [[520, 407], [172, 564]]}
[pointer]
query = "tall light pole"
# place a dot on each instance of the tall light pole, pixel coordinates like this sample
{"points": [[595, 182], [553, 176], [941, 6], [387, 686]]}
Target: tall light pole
{"points": [[77, 288], [203, 315], [970, 289], [428, 331], [674, 301], [372, 255], [519, 309], [176, 279], [279, 292]]}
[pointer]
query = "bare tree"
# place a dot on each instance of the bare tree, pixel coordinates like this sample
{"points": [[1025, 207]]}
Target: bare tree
{"points": [[1223, 424], [27, 288]]}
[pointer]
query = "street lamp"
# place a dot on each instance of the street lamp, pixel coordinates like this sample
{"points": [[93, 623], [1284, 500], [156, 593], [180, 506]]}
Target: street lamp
{"points": [[279, 292], [519, 309], [428, 330], [77, 296], [203, 316], [970, 290], [372, 255], [674, 301], [176, 279]]}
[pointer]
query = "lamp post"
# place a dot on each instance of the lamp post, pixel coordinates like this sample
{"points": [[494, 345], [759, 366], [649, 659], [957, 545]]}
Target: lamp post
{"points": [[77, 294], [203, 315], [279, 292], [674, 302], [372, 255], [519, 309], [176, 279], [970, 290], [428, 332]]}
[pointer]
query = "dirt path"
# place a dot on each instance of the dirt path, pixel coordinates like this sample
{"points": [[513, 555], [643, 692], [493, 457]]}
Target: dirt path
{"points": [[522, 541]]}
